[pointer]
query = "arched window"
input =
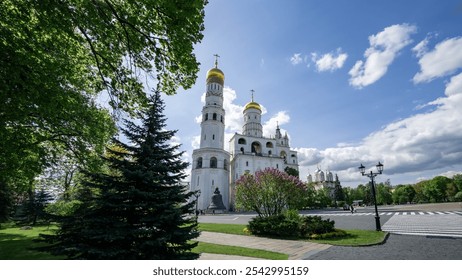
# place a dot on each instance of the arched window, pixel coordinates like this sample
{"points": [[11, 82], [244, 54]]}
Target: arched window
{"points": [[269, 152], [242, 149], [213, 162], [256, 148], [225, 164], [241, 141], [214, 116], [269, 144], [199, 163], [206, 116], [221, 118]]}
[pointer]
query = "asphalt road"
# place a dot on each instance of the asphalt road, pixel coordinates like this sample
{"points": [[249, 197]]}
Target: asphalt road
{"points": [[355, 221]]}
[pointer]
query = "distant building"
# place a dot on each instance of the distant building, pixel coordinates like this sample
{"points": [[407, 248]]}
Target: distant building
{"points": [[324, 180]]}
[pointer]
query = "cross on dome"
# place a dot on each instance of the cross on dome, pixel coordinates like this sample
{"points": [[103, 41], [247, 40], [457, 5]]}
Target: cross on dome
{"points": [[216, 60]]}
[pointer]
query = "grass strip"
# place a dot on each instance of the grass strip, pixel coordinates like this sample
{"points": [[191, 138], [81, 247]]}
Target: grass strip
{"points": [[224, 228], [355, 237], [204, 247]]}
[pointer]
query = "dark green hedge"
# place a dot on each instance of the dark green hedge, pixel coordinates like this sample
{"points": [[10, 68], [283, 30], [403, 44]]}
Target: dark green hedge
{"points": [[290, 226]]}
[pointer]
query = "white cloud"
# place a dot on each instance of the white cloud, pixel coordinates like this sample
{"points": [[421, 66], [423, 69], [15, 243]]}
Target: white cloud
{"points": [[269, 127], [454, 86], [328, 61], [422, 142], [196, 141], [443, 60], [384, 47], [421, 48], [296, 59], [234, 118]]}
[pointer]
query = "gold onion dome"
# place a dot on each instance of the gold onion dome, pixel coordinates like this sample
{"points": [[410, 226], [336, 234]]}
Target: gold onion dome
{"points": [[215, 75], [252, 105]]}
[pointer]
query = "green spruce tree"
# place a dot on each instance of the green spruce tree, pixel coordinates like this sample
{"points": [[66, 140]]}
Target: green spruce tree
{"points": [[138, 209]]}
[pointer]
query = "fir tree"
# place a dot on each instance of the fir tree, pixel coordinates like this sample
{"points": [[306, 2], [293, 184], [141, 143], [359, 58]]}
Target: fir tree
{"points": [[138, 209]]}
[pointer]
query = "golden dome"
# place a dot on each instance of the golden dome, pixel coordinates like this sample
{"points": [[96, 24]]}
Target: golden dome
{"points": [[252, 105], [215, 75]]}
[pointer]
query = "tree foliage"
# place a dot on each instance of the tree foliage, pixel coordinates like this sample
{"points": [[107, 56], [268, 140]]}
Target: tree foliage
{"points": [[137, 210], [57, 57], [269, 192], [403, 194]]}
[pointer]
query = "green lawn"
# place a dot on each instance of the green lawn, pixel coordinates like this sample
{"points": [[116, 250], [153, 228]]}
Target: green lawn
{"points": [[17, 244], [355, 237]]}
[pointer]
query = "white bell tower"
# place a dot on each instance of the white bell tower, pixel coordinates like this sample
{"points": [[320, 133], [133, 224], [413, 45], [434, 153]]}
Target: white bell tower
{"points": [[210, 166]]}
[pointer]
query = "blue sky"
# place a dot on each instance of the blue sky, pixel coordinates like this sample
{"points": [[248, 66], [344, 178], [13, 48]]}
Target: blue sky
{"points": [[350, 82]]}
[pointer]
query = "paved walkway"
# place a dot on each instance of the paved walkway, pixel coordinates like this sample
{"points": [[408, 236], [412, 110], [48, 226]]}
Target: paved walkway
{"points": [[295, 249]]}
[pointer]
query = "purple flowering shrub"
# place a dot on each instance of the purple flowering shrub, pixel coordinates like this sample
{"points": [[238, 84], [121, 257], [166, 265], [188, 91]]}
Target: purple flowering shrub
{"points": [[270, 192]]}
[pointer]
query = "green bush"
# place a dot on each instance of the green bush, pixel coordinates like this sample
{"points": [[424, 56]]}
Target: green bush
{"points": [[315, 225], [290, 225], [275, 226]]}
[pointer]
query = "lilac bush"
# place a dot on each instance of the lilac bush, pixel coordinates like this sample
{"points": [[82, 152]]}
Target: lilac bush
{"points": [[269, 192]]}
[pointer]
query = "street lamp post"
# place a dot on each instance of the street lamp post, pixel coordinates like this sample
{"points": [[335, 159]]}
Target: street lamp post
{"points": [[372, 175]]}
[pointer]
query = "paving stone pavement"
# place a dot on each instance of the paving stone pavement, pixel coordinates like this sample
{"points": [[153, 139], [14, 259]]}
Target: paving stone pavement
{"points": [[407, 213], [295, 249], [428, 225]]}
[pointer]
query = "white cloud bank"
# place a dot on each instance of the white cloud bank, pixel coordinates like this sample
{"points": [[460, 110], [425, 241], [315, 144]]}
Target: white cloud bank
{"points": [[329, 61], [443, 60], [384, 47], [422, 142]]}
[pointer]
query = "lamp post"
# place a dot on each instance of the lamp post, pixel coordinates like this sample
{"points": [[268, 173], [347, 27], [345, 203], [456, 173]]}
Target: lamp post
{"points": [[372, 175], [197, 194]]}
